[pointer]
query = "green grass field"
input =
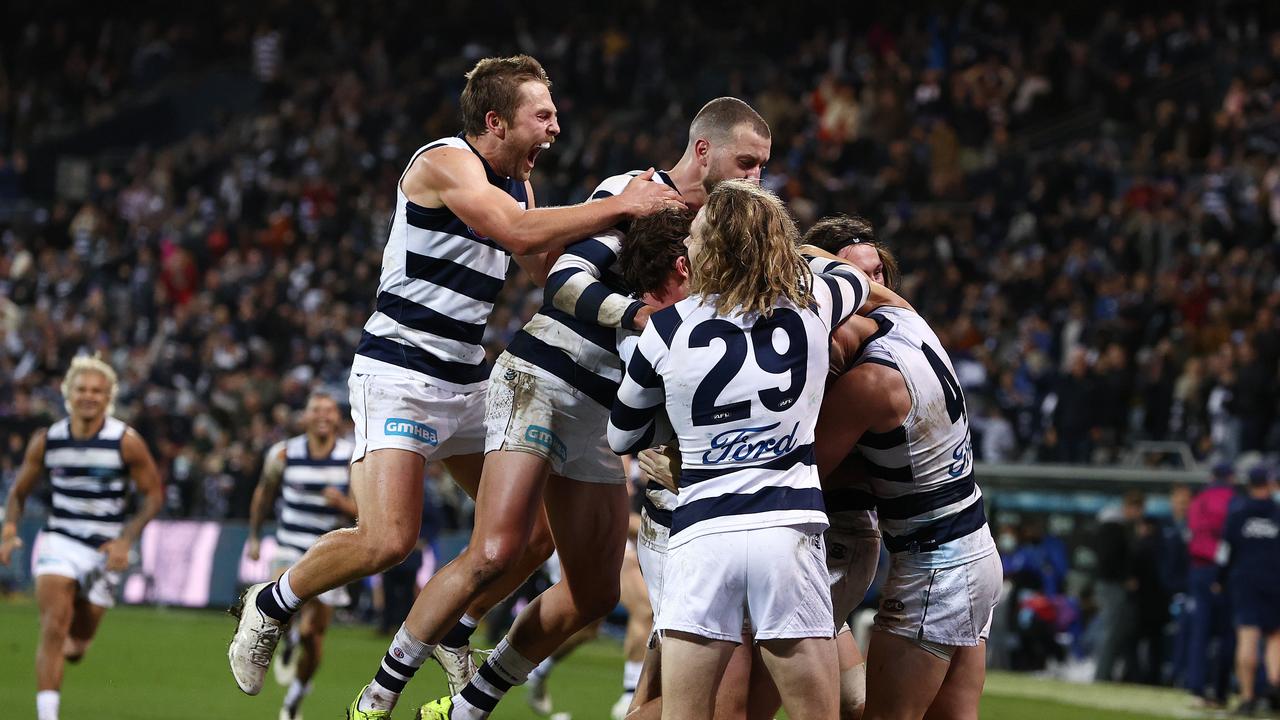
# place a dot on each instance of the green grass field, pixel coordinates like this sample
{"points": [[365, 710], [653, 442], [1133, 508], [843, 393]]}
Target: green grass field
{"points": [[171, 665]]}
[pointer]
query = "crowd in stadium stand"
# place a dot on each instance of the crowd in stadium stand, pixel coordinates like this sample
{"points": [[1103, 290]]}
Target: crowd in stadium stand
{"points": [[1086, 208]]}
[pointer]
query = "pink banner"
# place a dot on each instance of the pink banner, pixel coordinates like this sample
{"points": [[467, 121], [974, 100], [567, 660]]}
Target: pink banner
{"points": [[177, 564]]}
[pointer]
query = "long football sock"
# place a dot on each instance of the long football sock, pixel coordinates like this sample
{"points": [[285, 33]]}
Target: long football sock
{"points": [[460, 635], [403, 658], [277, 599], [47, 705], [504, 669]]}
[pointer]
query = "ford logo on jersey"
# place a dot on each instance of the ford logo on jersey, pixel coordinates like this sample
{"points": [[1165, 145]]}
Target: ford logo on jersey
{"points": [[741, 445], [411, 429]]}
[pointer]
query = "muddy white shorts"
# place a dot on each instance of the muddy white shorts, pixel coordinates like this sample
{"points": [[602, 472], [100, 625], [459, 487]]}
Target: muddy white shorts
{"points": [[530, 412], [852, 558], [776, 577], [285, 557], [651, 551], [57, 554], [946, 606], [393, 411]]}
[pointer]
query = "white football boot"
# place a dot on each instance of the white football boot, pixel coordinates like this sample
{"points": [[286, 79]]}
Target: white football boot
{"points": [[254, 642]]}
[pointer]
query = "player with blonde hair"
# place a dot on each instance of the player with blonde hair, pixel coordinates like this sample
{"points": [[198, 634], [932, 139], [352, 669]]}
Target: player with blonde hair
{"points": [[89, 459], [740, 366]]}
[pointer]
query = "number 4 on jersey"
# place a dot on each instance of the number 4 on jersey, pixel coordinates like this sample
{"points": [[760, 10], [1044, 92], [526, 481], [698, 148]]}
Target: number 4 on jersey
{"points": [[950, 388]]}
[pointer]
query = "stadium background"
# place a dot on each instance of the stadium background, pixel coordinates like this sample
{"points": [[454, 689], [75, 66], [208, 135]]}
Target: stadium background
{"points": [[1085, 203]]}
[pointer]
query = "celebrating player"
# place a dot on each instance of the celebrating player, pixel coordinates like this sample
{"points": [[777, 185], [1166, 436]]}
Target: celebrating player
{"points": [[746, 540], [464, 207], [853, 540], [902, 409], [89, 458]]}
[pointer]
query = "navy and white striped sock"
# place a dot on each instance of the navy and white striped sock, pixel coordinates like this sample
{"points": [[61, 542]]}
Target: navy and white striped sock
{"points": [[277, 600], [460, 635], [504, 669], [403, 658]]}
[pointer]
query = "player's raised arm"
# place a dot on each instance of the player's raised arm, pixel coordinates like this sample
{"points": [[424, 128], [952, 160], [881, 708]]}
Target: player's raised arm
{"points": [[28, 475], [457, 178], [146, 479]]}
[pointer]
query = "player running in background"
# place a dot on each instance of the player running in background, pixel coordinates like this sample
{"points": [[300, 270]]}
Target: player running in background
{"points": [[312, 470], [464, 208], [89, 459]]}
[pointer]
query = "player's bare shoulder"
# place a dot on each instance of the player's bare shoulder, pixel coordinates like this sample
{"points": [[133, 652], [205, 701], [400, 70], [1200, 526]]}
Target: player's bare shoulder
{"points": [[437, 169], [36, 445]]}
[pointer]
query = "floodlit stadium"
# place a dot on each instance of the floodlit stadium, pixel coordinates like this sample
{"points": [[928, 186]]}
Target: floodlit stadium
{"points": [[645, 361]]}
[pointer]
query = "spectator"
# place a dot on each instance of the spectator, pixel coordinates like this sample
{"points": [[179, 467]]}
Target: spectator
{"points": [[1174, 569], [1209, 644], [1250, 558], [1114, 585], [1151, 598]]}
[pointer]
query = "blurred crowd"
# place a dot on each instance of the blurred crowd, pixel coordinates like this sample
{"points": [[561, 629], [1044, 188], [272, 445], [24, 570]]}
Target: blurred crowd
{"points": [[1179, 590], [1085, 204]]}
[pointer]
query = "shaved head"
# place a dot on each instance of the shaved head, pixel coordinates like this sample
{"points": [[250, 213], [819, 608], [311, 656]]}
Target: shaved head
{"points": [[717, 119]]}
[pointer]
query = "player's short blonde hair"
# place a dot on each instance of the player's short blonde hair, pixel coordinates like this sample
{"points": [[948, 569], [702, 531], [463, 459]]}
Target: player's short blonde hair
{"points": [[749, 258], [90, 363], [494, 84]]}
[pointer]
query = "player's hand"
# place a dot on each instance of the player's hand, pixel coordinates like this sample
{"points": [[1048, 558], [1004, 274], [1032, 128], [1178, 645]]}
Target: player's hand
{"points": [[642, 316], [7, 547], [333, 497], [117, 552], [657, 466], [643, 197], [253, 548]]}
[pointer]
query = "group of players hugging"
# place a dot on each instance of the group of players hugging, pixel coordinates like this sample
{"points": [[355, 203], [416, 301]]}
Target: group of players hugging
{"points": [[789, 412]]}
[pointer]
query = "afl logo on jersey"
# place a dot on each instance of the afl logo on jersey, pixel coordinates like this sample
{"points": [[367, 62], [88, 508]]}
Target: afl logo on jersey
{"points": [[475, 234]]}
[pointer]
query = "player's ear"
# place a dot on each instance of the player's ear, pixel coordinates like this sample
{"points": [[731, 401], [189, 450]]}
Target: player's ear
{"points": [[682, 268], [494, 123], [702, 150]]}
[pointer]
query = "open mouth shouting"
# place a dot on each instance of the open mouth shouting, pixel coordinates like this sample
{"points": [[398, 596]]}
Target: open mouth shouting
{"points": [[532, 157]]}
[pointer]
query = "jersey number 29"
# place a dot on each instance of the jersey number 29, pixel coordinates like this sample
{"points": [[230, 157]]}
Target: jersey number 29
{"points": [[795, 361]]}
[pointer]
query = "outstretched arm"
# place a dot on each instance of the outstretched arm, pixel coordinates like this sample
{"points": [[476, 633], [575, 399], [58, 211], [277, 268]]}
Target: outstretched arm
{"points": [[28, 476], [456, 179], [537, 265]]}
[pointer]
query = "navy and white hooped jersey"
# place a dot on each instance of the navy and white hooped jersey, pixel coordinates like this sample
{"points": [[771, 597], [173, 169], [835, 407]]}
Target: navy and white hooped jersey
{"points": [[921, 473], [305, 514], [657, 501], [89, 482], [742, 393], [438, 285], [574, 336]]}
